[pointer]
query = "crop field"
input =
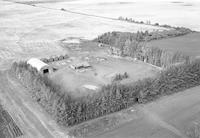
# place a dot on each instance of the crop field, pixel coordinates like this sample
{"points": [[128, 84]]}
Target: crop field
{"points": [[164, 12], [188, 44], [8, 128]]}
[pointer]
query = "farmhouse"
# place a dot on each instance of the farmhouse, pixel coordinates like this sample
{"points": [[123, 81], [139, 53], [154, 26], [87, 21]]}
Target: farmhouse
{"points": [[81, 65], [40, 65]]}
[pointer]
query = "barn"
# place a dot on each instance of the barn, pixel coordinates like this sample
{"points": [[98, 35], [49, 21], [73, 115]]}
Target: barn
{"points": [[40, 66]]}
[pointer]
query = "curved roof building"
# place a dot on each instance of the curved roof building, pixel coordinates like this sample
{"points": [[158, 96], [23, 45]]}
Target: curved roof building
{"points": [[39, 65]]}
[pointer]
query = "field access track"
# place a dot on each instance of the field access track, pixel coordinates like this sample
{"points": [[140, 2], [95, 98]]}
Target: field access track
{"points": [[27, 114]]}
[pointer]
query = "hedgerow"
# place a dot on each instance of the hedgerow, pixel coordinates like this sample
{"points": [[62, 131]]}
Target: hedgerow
{"points": [[113, 38], [69, 111], [182, 30]]}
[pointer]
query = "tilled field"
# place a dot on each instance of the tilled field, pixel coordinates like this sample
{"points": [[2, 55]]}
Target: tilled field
{"points": [[8, 128]]}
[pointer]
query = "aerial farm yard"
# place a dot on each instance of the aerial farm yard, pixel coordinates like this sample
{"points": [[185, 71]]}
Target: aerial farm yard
{"points": [[103, 68], [28, 31], [50, 29], [102, 73]]}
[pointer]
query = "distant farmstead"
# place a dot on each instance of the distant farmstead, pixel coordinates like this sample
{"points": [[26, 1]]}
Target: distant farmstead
{"points": [[40, 65], [114, 51]]}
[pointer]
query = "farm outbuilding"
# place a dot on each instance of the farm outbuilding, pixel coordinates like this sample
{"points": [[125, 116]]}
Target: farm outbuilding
{"points": [[81, 65], [40, 65]]}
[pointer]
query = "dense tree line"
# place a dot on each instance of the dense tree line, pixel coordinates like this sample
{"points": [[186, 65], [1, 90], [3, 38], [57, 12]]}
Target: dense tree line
{"points": [[114, 97], [134, 45], [113, 38]]}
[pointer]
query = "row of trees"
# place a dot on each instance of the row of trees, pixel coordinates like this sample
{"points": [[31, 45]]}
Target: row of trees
{"points": [[113, 38], [132, 44], [69, 111], [148, 22]]}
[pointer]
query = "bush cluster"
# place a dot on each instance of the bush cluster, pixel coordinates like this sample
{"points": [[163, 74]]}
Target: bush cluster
{"points": [[69, 111], [120, 77]]}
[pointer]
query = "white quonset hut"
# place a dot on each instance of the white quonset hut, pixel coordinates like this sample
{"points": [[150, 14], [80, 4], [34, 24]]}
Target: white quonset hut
{"points": [[40, 65]]}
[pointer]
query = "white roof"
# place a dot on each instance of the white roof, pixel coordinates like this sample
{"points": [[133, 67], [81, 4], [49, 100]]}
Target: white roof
{"points": [[36, 63], [91, 87]]}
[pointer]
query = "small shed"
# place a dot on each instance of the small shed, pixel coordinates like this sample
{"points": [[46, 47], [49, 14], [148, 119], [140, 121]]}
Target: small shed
{"points": [[40, 65], [80, 65]]}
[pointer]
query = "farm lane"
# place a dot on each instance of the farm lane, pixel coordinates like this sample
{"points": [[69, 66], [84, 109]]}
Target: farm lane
{"points": [[12, 97]]}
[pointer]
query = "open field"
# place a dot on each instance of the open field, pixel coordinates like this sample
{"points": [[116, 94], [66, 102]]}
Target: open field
{"points": [[170, 116], [182, 13], [188, 44]]}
